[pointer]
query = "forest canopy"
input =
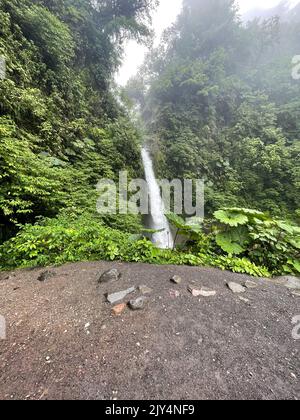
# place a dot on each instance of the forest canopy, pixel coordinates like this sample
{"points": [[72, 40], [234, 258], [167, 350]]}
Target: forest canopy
{"points": [[220, 102], [62, 127]]}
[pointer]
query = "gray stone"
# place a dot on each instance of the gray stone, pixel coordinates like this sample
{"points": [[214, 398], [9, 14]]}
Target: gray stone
{"points": [[236, 287], [138, 303], [116, 297], [45, 275], [145, 290], [204, 292], [292, 282], [277, 280], [296, 293], [110, 276], [250, 284], [176, 279]]}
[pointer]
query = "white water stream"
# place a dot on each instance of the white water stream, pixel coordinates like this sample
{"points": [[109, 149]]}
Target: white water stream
{"points": [[162, 239]]}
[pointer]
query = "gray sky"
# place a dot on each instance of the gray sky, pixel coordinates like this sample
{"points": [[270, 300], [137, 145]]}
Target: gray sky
{"points": [[162, 19]]}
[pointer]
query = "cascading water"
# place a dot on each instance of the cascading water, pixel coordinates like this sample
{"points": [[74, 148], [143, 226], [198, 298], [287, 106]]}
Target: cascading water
{"points": [[159, 221]]}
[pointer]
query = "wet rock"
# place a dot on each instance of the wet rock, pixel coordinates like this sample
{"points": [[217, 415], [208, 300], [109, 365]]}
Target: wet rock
{"points": [[138, 304], [109, 276], [116, 297], [118, 309], [176, 279], [236, 287], [145, 290], [45, 275], [204, 292], [250, 284]]}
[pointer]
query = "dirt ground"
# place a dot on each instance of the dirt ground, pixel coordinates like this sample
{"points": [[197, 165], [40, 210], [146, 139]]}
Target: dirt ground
{"points": [[63, 342]]}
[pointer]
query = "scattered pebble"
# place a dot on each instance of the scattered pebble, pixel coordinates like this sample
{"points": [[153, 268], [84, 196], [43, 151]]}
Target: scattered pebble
{"points": [[116, 297], [118, 309], [202, 292], [250, 284], [138, 304], [45, 275], [236, 287], [145, 290], [109, 276], [176, 279]]}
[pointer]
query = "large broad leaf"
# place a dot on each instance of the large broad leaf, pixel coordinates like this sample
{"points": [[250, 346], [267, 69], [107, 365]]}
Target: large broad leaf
{"points": [[248, 212], [296, 265], [176, 221], [292, 230], [253, 215], [295, 242], [192, 225], [195, 224], [234, 241], [231, 218], [224, 241]]}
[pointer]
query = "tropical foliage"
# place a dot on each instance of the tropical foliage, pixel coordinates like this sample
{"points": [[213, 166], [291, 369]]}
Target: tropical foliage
{"points": [[249, 235], [220, 102], [217, 101], [85, 238], [241, 240], [62, 126]]}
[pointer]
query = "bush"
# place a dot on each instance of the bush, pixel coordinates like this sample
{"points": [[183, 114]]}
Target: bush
{"points": [[65, 239], [244, 241], [268, 242], [86, 238]]}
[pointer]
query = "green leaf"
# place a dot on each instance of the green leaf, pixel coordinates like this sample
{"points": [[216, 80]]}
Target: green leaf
{"points": [[231, 218], [224, 241]]}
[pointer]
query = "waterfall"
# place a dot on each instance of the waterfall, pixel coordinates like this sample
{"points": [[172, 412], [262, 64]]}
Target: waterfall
{"points": [[162, 239]]}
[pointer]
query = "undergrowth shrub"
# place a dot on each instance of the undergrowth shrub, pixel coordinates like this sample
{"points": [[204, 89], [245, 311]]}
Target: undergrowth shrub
{"points": [[86, 238]]}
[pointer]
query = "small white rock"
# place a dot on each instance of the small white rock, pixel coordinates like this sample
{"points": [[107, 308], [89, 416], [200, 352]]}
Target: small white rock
{"points": [[236, 287]]}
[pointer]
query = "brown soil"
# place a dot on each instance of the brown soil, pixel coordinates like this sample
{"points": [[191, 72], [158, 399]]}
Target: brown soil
{"points": [[63, 342]]}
